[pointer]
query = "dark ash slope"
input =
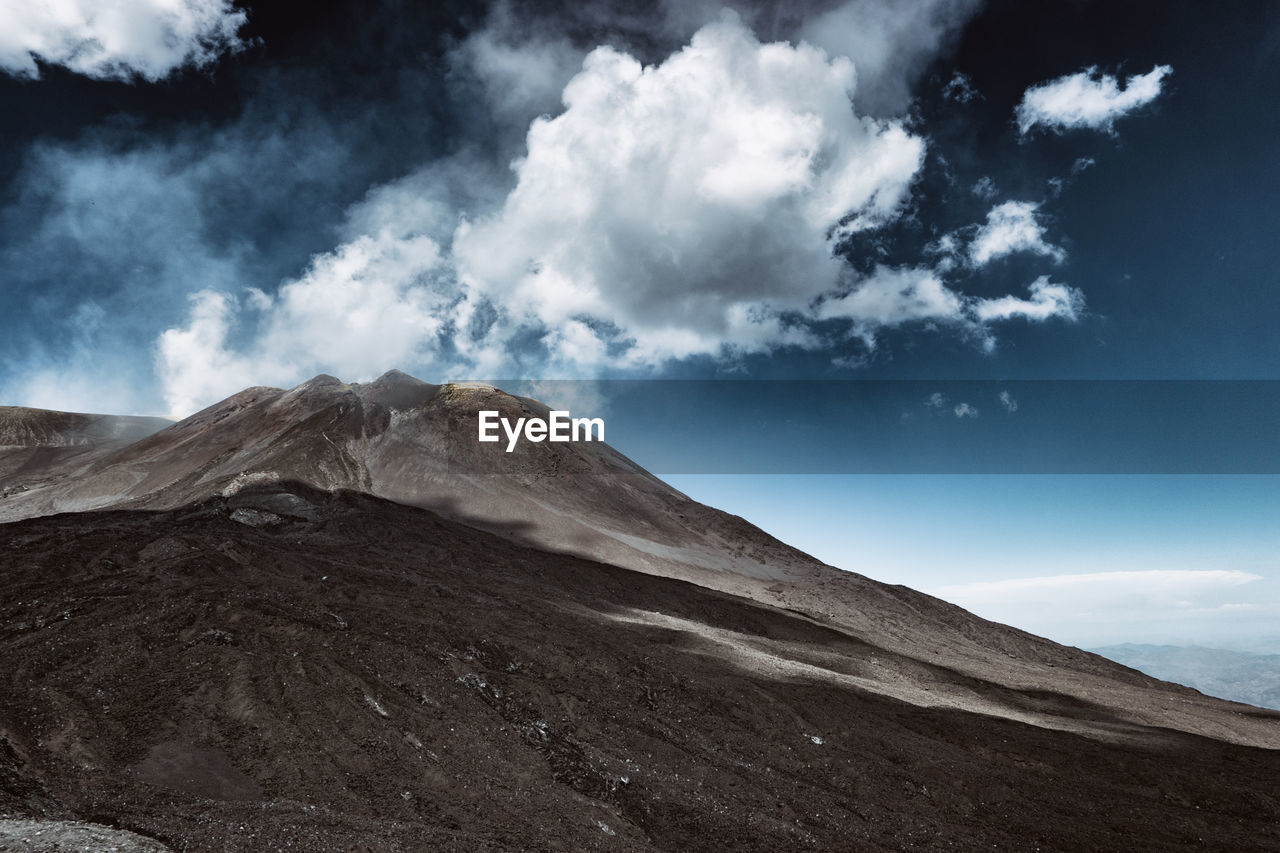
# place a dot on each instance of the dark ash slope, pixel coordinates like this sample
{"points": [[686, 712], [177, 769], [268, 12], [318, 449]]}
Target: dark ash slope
{"points": [[380, 678]]}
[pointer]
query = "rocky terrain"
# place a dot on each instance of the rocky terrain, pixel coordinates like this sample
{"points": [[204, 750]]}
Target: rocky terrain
{"points": [[327, 619]]}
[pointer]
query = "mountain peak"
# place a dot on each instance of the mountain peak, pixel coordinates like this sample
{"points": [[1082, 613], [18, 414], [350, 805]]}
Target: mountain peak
{"points": [[396, 389], [321, 380]]}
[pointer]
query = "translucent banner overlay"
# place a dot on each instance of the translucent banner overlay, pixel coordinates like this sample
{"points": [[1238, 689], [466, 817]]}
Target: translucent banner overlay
{"points": [[930, 427]]}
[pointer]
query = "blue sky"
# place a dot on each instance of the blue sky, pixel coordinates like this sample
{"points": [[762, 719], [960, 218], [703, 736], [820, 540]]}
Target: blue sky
{"points": [[1087, 560], [227, 194]]}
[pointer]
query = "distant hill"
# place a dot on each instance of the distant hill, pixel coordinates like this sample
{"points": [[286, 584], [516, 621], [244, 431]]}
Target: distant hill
{"points": [[21, 427], [1239, 676]]}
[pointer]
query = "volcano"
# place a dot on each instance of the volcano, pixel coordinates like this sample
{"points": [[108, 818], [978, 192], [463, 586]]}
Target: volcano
{"points": [[328, 618]]}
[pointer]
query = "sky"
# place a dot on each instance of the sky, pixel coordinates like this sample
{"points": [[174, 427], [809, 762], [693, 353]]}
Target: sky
{"points": [[201, 195], [1088, 560]]}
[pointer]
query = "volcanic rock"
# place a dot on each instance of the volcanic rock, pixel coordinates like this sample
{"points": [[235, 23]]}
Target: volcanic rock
{"points": [[329, 619]]}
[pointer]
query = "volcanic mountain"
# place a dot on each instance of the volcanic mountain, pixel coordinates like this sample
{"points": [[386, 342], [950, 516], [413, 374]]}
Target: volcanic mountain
{"points": [[327, 618]]}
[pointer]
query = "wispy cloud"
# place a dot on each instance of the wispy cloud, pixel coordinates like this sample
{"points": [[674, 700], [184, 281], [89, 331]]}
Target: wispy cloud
{"points": [[516, 67], [892, 296], [890, 41], [1174, 586], [985, 188], [1048, 300], [1087, 99], [125, 231], [960, 89], [1163, 604], [1082, 163]]}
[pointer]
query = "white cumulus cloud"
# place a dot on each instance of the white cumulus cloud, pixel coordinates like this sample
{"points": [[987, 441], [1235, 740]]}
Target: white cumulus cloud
{"points": [[195, 366], [115, 39], [687, 208], [369, 304], [667, 211], [1087, 99], [674, 201], [1012, 227]]}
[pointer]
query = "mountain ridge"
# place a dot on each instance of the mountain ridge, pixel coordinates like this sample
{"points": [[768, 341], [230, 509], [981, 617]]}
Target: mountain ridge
{"points": [[414, 443]]}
